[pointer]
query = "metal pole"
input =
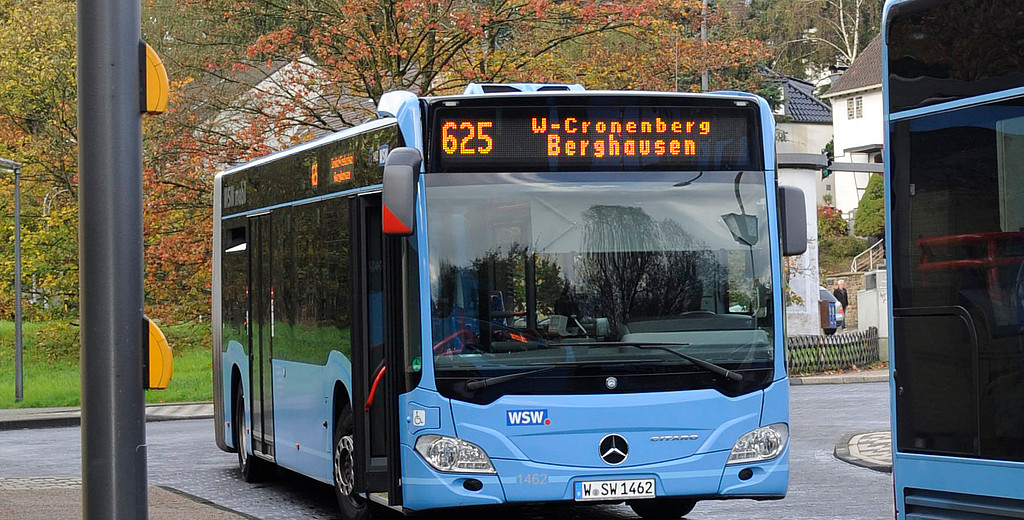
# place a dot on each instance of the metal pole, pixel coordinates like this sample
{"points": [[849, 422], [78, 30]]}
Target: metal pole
{"points": [[704, 44], [19, 389], [110, 259]]}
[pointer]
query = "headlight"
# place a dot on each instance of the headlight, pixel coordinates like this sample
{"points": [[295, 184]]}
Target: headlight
{"points": [[453, 454], [764, 443]]}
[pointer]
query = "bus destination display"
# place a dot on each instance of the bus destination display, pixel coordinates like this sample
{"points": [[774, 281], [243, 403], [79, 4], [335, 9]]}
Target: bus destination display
{"points": [[594, 138], [341, 169]]}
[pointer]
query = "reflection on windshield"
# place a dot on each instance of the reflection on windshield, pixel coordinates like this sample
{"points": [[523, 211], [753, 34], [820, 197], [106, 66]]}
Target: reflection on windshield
{"points": [[528, 273]]}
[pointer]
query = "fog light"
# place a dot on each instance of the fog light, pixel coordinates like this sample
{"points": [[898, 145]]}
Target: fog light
{"points": [[764, 443], [452, 454]]}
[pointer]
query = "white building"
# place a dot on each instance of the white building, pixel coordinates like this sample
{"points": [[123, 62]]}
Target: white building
{"points": [[857, 126], [803, 129]]}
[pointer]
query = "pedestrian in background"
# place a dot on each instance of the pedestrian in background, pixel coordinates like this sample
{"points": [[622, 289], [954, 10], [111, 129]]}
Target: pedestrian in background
{"points": [[840, 293]]}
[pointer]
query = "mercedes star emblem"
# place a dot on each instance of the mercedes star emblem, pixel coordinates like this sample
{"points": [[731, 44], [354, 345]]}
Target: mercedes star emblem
{"points": [[613, 449]]}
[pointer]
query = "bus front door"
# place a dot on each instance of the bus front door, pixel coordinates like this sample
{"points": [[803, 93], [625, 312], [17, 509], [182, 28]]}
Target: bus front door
{"points": [[261, 310], [377, 467]]}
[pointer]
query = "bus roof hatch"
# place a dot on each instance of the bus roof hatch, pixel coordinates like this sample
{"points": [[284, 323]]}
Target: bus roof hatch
{"points": [[489, 88]]}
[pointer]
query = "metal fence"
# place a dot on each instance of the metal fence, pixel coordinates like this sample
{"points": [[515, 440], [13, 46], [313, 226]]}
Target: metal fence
{"points": [[808, 354]]}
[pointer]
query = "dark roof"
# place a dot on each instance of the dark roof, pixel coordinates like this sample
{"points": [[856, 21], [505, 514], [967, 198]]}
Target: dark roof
{"points": [[226, 84], [801, 105], [864, 72], [342, 112]]}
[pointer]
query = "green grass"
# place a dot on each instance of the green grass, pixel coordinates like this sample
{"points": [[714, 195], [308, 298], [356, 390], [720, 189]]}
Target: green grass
{"points": [[51, 374]]}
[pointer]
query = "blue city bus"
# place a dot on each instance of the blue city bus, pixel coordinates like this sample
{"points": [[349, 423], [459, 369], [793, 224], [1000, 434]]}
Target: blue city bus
{"points": [[953, 83], [525, 293]]}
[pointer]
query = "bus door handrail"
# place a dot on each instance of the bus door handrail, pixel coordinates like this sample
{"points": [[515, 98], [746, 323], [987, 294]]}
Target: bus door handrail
{"points": [[377, 378]]}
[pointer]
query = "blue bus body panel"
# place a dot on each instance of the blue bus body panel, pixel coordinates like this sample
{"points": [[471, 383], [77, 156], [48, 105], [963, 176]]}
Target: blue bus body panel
{"points": [[303, 422], [426, 346], [957, 104], [778, 301], [776, 403], [300, 412], [410, 123], [234, 358], [957, 475], [541, 462], [770, 182], [558, 459], [566, 429], [989, 478], [302, 404], [887, 160], [422, 486]]}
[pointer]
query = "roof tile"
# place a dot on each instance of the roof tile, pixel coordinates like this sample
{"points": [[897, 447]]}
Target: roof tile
{"points": [[864, 72], [801, 104]]}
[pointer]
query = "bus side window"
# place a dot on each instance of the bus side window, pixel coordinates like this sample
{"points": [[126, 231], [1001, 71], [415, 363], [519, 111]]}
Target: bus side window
{"points": [[234, 284], [1010, 153]]}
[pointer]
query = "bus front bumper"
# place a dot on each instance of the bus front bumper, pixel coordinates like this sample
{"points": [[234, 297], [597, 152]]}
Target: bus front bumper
{"points": [[703, 476]]}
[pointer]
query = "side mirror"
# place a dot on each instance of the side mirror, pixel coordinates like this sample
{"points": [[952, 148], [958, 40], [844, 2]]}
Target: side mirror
{"points": [[793, 213], [399, 198], [742, 227]]}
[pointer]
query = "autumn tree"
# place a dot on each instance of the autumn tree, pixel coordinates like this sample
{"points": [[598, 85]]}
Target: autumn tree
{"points": [[358, 49], [252, 76], [662, 50], [809, 36], [38, 129]]}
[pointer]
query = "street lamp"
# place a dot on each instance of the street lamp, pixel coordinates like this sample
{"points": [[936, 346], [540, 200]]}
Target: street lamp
{"points": [[12, 166]]}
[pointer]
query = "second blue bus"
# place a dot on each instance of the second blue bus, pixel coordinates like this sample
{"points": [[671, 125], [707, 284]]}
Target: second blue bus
{"points": [[522, 294]]}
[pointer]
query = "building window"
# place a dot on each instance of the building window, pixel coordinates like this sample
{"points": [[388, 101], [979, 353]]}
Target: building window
{"points": [[855, 107]]}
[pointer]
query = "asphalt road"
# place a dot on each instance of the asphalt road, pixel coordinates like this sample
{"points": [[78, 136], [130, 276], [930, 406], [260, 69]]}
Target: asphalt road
{"points": [[183, 456]]}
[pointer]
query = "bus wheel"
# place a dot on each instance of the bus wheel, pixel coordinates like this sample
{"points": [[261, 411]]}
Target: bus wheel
{"points": [[253, 469], [662, 508], [353, 507]]}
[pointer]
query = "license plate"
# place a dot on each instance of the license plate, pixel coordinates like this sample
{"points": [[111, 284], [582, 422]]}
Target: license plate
{"points": [[614, 489]]}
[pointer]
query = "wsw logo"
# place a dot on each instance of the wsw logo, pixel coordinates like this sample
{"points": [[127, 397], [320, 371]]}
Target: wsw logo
{"points": [[527, 417]]}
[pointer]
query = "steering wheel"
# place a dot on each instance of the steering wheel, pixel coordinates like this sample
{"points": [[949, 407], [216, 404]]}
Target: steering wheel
{"points": [[447, 345]]}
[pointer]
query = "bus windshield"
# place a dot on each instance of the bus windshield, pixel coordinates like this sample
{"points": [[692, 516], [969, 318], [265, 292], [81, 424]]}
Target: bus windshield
{"points": [[569, 269]]}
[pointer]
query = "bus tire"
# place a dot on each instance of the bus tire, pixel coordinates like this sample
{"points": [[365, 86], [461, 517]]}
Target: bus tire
{"points": [[662, 508], [352, 506], [253, 469]]}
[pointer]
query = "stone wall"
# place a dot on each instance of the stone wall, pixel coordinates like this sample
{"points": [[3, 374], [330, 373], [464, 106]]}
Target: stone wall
{"points": [[854, 283]]}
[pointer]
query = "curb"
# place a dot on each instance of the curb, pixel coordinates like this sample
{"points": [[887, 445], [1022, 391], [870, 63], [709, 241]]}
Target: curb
{"points": [[73, 418], [42, 422], [207, 503], [837, 379], [842, 452]]}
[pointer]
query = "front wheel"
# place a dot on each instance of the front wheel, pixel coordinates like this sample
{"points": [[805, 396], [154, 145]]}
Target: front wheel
{"points": [[662, 508], [353, 506]]}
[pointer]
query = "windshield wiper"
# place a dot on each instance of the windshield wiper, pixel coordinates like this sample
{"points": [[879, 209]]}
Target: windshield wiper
{"points": [[477, 384], [666, 347]]}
